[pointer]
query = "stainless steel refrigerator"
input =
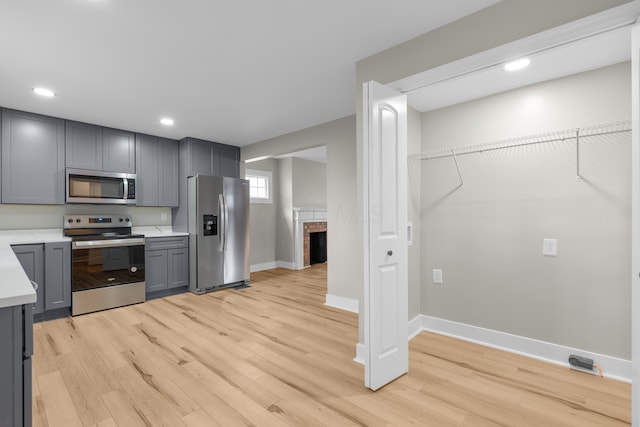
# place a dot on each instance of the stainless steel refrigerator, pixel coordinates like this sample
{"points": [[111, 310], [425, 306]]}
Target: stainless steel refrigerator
{"points": [[218, 223]]}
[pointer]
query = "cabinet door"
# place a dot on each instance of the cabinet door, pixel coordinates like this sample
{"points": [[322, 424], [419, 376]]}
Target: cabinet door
{"points": [[147, 167], [31, 257], [12, 387], [118, 151], [155, 274], [228, 158], [32, 158], [57, 270], [178, 263], [83, 146], [168, 173], [200, 157]]}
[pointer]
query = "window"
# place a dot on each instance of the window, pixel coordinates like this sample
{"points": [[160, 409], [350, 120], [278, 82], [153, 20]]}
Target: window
{"points": [[259, 186]]}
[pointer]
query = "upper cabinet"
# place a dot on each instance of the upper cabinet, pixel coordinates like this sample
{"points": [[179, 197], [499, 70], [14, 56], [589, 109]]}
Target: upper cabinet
{"points": [[157, 171], [211, 158], [32, 158], [97, 148]]}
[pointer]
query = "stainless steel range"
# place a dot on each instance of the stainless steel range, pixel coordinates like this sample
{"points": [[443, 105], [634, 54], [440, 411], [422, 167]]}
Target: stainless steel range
{"points": [[107, 262]]}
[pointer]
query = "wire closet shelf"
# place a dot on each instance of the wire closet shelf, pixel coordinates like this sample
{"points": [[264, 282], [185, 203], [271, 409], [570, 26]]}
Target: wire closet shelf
{"points": [[562, 135]]}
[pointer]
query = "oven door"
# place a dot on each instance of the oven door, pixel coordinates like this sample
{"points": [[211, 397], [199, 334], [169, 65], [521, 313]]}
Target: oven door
{"points": [[103, 263]]}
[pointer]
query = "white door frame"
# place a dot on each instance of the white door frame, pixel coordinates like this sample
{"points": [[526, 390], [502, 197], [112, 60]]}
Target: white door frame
{"points": [[635, 225]]}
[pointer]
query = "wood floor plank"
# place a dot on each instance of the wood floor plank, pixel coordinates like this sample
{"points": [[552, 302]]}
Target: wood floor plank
{"points": [[274, 354]]}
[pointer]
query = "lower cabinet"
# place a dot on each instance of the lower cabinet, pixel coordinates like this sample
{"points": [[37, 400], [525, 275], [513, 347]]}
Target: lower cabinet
{"points": [[16, 349], [166, 263], [48, 265]]}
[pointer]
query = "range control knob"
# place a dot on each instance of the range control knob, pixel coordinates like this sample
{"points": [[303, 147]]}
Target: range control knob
{"points": [[70, 220], [127, 220], [77, 219], [120, 220]]}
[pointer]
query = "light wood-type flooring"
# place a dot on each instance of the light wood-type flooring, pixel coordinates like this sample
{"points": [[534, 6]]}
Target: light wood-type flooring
{"points": [[274, 355]]}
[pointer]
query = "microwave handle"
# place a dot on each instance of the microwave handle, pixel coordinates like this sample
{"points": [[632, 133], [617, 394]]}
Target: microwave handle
{"points": [[125, 187]]}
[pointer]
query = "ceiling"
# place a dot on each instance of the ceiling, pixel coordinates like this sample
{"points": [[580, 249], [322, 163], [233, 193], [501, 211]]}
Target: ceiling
{"points": [[606, 48], [235, 72]]}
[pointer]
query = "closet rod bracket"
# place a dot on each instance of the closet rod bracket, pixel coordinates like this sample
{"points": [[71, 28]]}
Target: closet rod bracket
{"points": [[455, 159]]}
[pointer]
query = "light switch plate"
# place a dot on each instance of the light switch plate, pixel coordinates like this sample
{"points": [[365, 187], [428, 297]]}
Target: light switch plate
{"points": [[437, 276], [550, 247]]}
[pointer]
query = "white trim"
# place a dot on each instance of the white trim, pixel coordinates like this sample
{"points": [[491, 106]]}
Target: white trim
{"points": [[635, 224], [271, 265], [264, 266], [361, 354], [595, 24], [285, 264], [613, 367], [348, 304]]}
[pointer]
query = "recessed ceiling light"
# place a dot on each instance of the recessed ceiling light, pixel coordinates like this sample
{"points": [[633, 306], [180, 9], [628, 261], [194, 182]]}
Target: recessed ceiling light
{"points": [[166, 121], [518, 64], [44, 91]]}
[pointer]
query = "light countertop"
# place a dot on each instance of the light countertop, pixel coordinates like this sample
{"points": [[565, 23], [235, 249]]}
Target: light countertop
{"points": [[15, 286], [158, 231]]}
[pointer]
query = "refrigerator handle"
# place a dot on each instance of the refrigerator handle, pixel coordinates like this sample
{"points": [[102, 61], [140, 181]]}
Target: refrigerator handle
{"points": [[226, 222], [222, 232]]}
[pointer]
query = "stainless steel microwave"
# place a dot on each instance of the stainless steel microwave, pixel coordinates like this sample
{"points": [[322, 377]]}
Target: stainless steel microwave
{"points": [[87, 186]]}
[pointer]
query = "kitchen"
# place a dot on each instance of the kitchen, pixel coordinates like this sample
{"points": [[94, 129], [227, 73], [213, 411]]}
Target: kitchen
{"points": [[345, 214]]}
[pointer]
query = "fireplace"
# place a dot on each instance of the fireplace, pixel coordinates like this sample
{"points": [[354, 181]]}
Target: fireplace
{"points": [[315, 242], [307, 223]]}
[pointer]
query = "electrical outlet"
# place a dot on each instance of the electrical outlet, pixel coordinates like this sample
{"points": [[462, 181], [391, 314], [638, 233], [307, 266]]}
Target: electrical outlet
{"points": [[163, 216], [437, 276], [550, 247]]}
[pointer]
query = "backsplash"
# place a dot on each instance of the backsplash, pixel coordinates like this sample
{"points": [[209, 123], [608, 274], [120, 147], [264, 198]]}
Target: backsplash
{"points": [[17, 217]]}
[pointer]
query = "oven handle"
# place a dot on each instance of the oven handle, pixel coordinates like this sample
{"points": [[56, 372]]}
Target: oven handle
{"points": [[108, 243]]}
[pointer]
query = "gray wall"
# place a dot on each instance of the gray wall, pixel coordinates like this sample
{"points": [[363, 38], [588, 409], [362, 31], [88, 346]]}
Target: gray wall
{"points": [[342, 210], [309, 184], [487, 238], [263, 217], [284, 216], [499, 24]]}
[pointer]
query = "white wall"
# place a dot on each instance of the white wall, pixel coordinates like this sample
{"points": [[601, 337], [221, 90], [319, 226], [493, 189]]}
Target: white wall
{"points": [[487, 238], [309, 184]]}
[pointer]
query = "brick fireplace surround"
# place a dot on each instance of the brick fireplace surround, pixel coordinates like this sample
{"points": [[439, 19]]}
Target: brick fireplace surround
{"points": [[310, 227]]}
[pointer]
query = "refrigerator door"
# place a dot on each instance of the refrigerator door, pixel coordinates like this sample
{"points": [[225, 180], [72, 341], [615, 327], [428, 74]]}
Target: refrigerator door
{"points": [[205, 254], [236, 230]]}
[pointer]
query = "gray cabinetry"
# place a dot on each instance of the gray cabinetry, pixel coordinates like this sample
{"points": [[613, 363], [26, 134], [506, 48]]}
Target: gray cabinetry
{"points": [[157, 171], [49, 265], [31, 258], [32, 158], [211, 158], [96, 148], [166, 263], [57, 275], [16, 349]]}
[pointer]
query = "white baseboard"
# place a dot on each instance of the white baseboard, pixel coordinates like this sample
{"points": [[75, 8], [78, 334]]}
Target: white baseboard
{"points": [[264, 266], [342, 303], [270, 266], [285, 264], [613, 367]]}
